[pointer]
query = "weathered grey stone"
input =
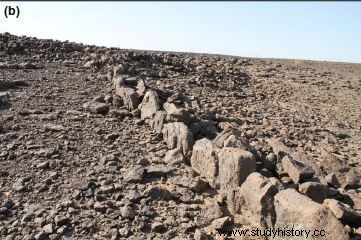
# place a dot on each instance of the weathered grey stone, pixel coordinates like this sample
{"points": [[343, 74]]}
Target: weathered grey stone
{"points": [[158, 121], [177, 98], [176, 114], [346, 214], [332, 180], [296, 170], [233, 200], [96, 107], [99, 207], [206, 129], [352, 179], [196, 184], [222, 137], [302, 157], [48, 228], [204, 160], [237, 141], [174, 157], [294, 210], [270, 162], [150, 105], [158, 193], [199, 235], [257, 193], [135, 174], [299, 156], [318, 192], [120, 69], [279, 148], [117, 101], [333, 163], [158, 227], [130, 97], [141, 87], [208, 213], [127, 212], [118, 81], [157, 171], [177, 135], [234, 167]]}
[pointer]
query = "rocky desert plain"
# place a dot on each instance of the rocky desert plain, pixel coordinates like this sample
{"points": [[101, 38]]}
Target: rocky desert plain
{"points": [[109, 143]]}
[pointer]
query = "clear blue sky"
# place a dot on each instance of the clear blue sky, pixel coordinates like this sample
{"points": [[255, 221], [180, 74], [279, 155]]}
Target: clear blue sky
{"points": [[314, 30]]}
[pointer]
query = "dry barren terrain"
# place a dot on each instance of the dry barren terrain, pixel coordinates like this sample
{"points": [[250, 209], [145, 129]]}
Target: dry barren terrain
{"points": [[106, 143]]}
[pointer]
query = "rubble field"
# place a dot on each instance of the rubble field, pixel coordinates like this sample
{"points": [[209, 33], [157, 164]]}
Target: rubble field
{"points": [[108, 143]]}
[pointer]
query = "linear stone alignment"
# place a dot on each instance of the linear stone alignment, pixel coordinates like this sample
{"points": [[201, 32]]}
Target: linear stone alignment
{"points": [[106, 143]]}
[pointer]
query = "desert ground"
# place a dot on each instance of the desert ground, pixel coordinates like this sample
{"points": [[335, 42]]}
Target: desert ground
{"points": [[108, 143]]}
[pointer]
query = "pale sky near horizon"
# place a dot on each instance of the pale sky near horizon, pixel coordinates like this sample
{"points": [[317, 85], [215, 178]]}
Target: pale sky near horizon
{"points": [[326, 31]]}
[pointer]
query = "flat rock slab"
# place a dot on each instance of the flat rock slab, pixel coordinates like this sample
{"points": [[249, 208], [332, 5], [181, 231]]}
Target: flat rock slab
{"points": [[150, 105], [204, 160]]}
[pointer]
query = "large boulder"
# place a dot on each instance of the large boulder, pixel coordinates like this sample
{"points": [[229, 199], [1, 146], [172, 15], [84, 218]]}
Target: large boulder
{"points": [[150, 105], [297, 171], [158, 121], [204, 160], [130, 97], [306, 162], [178, 135], [257, 194], [337, 164], [298, 212], [176, 114], [333, 163], [234, 167]]}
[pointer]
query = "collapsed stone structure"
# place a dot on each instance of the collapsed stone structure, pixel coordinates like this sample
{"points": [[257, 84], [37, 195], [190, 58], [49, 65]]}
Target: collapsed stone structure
{"points": [[251, 183], [169, 145]]}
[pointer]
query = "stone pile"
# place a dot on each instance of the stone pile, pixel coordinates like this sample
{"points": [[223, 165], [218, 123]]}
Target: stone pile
{"points": [[274, 187], [107, 143]]}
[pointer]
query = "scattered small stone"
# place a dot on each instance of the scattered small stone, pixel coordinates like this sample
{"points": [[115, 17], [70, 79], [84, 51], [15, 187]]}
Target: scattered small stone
{"points": [[135, 175], [158, 193], [99, 207], [127, 212], [43, 165], [158, 227]]}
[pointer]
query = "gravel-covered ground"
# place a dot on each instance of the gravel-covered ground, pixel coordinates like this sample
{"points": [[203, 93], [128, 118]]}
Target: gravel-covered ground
{"points": [[68, 171]]}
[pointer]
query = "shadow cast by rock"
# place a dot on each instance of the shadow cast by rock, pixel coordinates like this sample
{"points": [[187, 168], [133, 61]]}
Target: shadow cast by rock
{"points": [[7, 85], [4, 105]]}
